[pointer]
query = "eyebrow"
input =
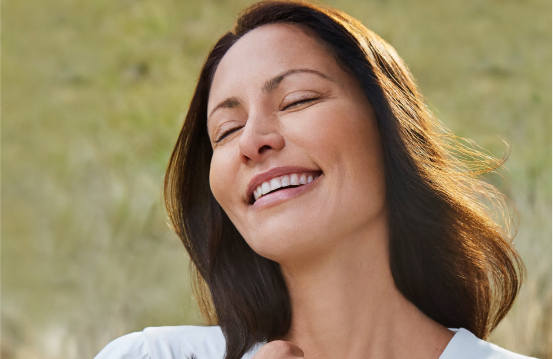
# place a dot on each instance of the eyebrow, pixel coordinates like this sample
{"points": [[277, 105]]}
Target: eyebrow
{"points": [[269, 86], [273, 83]]}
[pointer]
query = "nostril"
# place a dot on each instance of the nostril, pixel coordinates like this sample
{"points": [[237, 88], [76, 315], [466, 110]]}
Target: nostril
{"points": [[264, 148]]}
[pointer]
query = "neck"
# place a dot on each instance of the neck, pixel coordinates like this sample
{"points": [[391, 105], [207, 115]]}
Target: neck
{"points": [[345, 305]]}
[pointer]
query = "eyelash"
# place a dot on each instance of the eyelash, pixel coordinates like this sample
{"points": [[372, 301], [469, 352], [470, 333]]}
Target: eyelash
{"points": [[225, 134], [306, 100]]}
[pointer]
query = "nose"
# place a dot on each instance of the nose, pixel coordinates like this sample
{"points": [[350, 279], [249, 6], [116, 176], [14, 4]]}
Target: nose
{"points": [[260, 138]]}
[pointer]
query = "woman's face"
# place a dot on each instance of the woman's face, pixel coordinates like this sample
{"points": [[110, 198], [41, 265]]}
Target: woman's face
{"points": [[297, 160]]}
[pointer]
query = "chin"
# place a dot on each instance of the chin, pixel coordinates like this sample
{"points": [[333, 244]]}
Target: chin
{"points": [[286, 242]]}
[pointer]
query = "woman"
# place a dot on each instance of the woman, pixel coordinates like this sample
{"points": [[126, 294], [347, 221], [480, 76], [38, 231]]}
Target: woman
{"points": [[325, 213]]}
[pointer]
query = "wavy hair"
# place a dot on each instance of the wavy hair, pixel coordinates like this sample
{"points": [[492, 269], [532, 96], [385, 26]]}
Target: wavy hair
{"points": [[450, 254]]}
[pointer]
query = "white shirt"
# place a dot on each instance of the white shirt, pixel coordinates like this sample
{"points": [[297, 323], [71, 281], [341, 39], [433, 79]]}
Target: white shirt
{"points": [[208, 343]]}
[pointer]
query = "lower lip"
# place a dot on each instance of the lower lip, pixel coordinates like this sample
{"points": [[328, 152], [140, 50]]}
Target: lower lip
{"points": [[277, 197]]}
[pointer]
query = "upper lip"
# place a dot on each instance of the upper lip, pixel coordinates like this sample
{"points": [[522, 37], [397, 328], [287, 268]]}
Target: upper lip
{"points": [[259, 178]]}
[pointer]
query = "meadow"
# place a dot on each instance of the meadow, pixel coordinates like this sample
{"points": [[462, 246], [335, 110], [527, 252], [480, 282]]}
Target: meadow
{"points": [[94, 94]]}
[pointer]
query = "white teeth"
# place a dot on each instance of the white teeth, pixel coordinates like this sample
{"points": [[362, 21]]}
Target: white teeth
{"points": [[285, 181], [275, 183], [294, 181], [265, 188]]}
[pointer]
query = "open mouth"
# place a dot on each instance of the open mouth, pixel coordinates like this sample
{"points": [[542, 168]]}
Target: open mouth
{"points": [[280, 183]]}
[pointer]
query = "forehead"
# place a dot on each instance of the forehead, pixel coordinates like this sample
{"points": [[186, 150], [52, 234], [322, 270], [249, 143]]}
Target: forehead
{"points": [[266, 52]]}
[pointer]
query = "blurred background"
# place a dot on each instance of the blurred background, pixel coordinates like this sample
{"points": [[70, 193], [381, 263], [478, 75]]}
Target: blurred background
{"points": [[94, 94]]}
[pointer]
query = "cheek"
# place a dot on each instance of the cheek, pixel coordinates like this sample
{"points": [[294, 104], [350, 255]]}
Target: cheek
{"points": [[341, 134], [222, 178], [349, 148]]}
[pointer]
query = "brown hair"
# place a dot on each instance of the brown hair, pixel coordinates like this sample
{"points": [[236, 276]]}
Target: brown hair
{"points": [[448, 255]]}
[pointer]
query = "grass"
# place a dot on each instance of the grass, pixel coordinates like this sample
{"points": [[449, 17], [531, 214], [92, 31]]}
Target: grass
{"points": [[94, 96]]}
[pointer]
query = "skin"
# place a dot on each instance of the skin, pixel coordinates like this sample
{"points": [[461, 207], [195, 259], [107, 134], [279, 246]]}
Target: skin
{"points": [[331, 240]]}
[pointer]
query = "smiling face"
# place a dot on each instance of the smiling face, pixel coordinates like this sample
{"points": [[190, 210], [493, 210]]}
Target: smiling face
{"points": [[281, 110]]}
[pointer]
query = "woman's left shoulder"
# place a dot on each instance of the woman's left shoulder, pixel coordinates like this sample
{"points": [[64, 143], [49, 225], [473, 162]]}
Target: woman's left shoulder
{"points": [[465, 345]]}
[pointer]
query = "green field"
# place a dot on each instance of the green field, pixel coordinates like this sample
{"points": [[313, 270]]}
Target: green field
{"points": [[94, 94]]}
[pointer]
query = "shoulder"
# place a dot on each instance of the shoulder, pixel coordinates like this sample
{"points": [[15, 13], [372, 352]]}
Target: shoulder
{"points": [[168, 343], [465, 345]]}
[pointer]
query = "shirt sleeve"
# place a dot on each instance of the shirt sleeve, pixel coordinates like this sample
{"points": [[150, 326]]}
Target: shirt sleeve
{"points": [[130, 346], [171, 342]]}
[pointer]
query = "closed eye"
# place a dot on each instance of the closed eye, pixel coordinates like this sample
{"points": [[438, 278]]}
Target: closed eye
{"points": [[287, 107], [300, 102], [225, 134]]}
